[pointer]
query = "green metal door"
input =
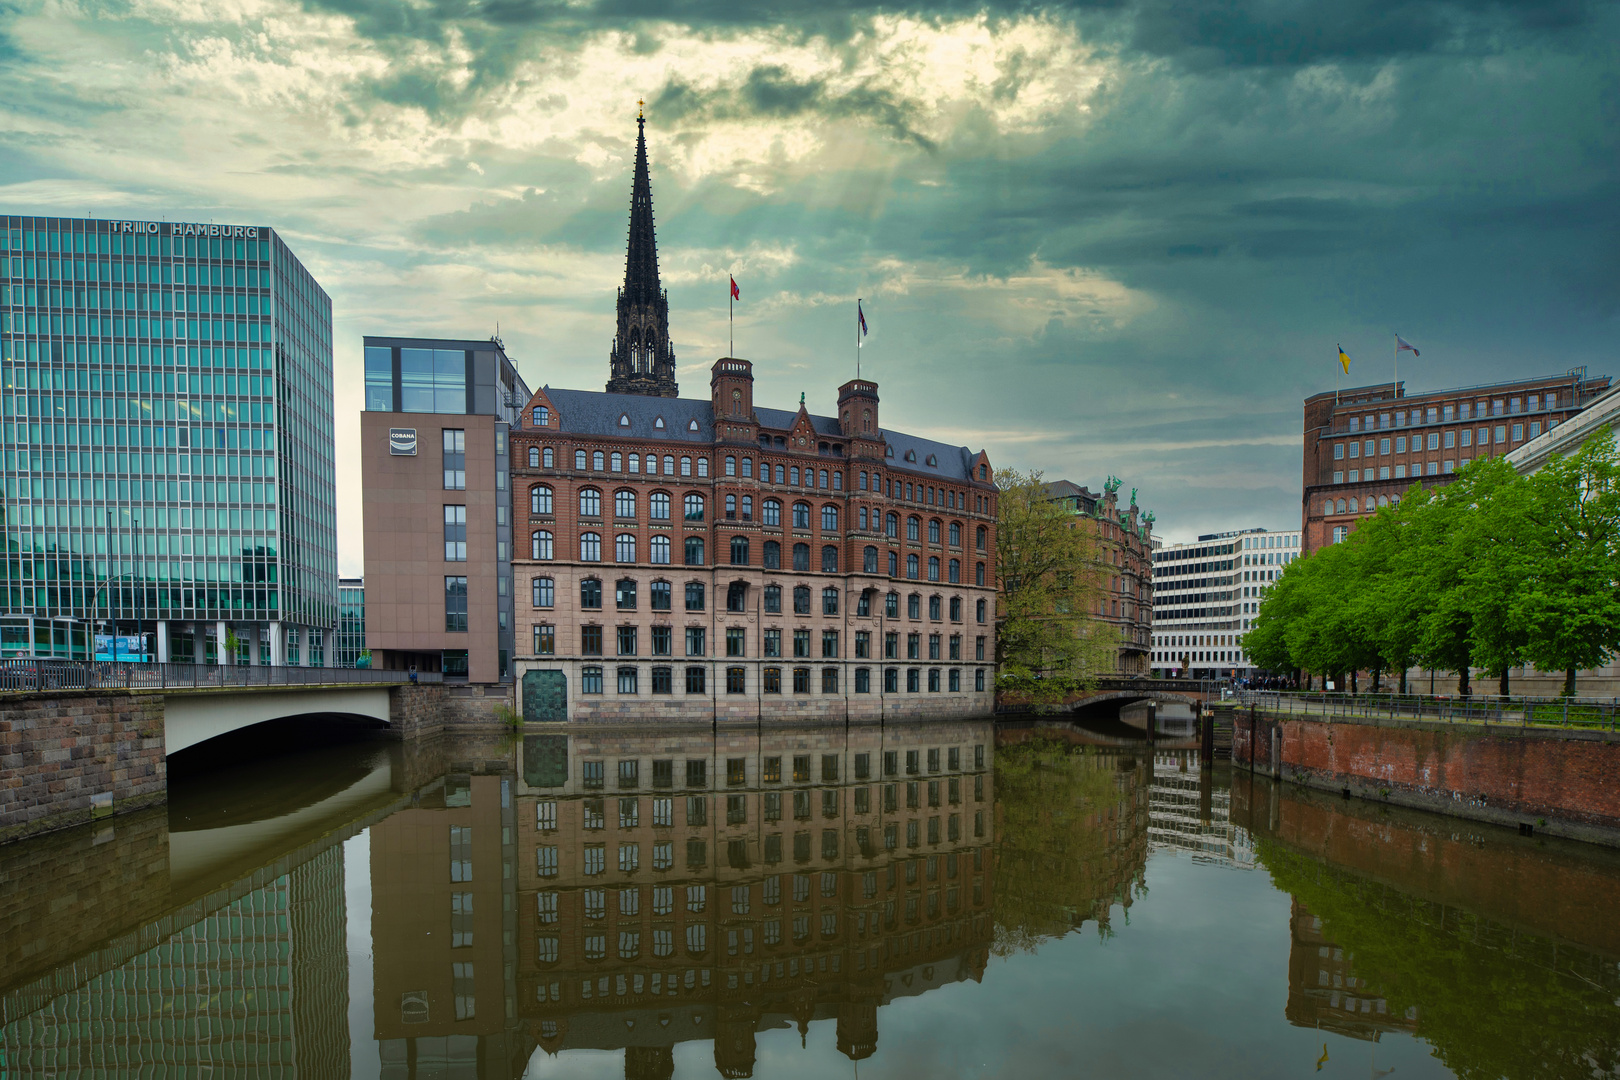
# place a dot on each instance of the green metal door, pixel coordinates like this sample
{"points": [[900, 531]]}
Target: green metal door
{"points": [[545, 696]]}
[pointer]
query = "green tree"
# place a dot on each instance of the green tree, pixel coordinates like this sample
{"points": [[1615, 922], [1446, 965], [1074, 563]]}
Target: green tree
{"points": [[1047, 644], [1568, 561], [1494, 511]]}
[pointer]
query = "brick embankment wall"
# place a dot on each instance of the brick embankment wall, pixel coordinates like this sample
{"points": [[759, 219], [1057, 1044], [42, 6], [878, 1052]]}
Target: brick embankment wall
{"points": [[68, 756], [1553, 888], [1562, 782], [427, 709]]}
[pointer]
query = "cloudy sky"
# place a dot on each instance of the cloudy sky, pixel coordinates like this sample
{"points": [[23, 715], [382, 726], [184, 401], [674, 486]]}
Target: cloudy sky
{"points": [[1121, 237]]}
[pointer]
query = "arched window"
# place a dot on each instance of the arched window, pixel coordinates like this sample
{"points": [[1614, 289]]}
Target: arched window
{"points": [[540, 499], [914, 606], [534, 457], [731, 465], [540, 415], [624, 419], [624, 548], [1341, 506], [1352, 506], [748, 467], [935, 607], [801, 557], [793, 475], [624, 504], [829, 601], [838, 481], [590, 593], [978, 573], [635, 463], [956, 609], [658, 550], [892, 524], [544, 592], [596, 460], [694, 507], [862, 519], [624, 594], [739, 551], [618, 461], [1383, 500], [894, 564], [694, 551], [748, 508], [771, 512], [540, 545], [979, 536], [737, 596], [801, 600], [955, 571], [547, 458], [801, 515], [686, 466], [579, 459], [773, 555], [590, 503], [658, 505], [933, 530], [590, 547], [829, 559], [731, 508], [956, 534], [911, 567], [829, 519], [913, 528], [1327, 506], [703, 466], [822, 476], [869, 560], [933, 568]]}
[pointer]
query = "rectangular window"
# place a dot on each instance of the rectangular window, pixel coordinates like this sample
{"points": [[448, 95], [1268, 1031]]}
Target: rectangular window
{"points": [[696, 645], [736, 638], [663, 641], [455, 459], [455, 534], [455, 604], [736, 680], [696, 679]]}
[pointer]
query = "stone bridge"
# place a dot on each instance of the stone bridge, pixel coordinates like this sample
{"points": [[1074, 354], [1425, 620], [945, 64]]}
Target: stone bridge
{"points": [[79, 741], [1190, 693]]}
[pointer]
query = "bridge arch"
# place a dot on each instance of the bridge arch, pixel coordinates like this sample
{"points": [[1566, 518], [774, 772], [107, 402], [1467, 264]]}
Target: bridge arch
{"points": [[192, 718]]}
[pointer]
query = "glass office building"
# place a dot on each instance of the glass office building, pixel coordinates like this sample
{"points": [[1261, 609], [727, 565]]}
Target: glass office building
{"points": [[167, 434], [351, 627]]}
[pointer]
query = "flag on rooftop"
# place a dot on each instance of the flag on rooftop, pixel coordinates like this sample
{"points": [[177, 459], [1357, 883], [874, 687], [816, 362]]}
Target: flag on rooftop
{"points": [[1402, 345], [735, 293], [1344, 359]]}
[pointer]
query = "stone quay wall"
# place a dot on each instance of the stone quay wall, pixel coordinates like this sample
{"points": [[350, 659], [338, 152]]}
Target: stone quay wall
{"points": [[67, 757], [1559, 781]]}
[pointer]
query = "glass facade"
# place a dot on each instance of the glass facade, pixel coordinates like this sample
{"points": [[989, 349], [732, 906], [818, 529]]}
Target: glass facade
{"points": [[351, 627], [167, 433]]}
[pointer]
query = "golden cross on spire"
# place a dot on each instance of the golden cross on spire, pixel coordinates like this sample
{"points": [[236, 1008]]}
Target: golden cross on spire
{"points": [[639, 112]]}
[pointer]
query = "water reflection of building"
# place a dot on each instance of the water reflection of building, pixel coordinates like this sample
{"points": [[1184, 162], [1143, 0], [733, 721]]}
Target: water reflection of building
{"points": [[442, 874], [1324, 990], [1191, 813], [675, 887], [245, 984]]}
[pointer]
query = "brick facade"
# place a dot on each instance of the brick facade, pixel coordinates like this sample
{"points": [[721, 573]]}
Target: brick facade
{"points": [[67, 756], [851, 532], [1556, 781], [1366, 446]]}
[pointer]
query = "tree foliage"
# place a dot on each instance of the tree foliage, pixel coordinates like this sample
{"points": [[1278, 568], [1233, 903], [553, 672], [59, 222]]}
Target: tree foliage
{"points": [[1048, 645], [1494, 570]]}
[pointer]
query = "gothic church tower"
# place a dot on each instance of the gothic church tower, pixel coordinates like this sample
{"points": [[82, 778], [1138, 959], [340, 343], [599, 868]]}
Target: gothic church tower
{"points": [[642, 360]]}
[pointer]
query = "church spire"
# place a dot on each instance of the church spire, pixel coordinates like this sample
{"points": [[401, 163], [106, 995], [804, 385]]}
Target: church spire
{"points": [[642, 360]]}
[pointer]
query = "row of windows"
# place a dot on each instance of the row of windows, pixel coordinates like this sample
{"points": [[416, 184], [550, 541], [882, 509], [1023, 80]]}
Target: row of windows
{"points": [[1362, 476], [628, 680], [1464, 411], [593, 771], [1354, 506], [661, 593], [662, 639], [1435, 440], [542, 548]]}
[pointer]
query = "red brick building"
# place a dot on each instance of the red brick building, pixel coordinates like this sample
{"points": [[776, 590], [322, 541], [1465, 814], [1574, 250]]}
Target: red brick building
{"points": [[1365, 446], [710, 558]]}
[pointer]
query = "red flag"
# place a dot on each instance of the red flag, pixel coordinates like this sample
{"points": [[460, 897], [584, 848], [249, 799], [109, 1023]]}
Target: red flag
{"points": [[735, 294]]}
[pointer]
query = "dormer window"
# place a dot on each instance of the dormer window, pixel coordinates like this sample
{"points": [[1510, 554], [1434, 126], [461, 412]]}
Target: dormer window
{"points": [[659, 423], [911, 455], [888, 451], [624, 419], [691, 425], [542, 416], [932, 460]]}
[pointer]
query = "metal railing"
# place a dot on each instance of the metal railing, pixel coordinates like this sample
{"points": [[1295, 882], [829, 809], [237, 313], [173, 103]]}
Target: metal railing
{"points": [[1486, 710], [40, 674]]}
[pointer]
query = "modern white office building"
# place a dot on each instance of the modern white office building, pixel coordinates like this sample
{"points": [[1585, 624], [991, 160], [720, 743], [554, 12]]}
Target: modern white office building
{"points": [[1206, 594]]}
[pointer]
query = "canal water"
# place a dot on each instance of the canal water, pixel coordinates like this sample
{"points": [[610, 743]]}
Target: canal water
{"points": [[940, 900]]}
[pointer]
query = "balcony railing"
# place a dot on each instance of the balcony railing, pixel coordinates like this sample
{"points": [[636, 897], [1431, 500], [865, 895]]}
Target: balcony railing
{"points": [[29, 675]]}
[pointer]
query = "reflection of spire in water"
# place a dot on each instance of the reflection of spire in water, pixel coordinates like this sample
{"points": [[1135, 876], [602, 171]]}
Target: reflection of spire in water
{"points": [[1190, 814]]}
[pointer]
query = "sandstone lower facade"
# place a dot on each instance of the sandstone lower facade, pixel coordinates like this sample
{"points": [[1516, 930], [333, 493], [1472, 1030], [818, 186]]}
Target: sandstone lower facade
{"points": [[591, 690]]}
